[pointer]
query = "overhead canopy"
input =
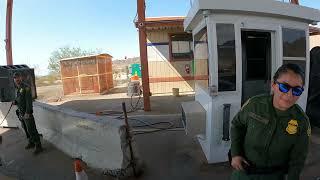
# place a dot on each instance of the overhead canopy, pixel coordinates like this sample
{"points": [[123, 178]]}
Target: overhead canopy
{"points": [[271, 8], [163, 22]]}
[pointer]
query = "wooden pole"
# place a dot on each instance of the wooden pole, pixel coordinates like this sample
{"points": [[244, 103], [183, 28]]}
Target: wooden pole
{"points": [[294, 2], [8, 32], [143, 54]]}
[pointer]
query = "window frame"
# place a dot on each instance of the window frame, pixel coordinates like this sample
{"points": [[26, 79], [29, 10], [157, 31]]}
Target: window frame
{"points": [[204, 28], [171, 58], [297, 59], [291, 58], [235, 54]]}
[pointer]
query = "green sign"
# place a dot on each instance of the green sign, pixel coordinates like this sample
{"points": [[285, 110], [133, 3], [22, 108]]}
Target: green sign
{"points": [[136, 70]]}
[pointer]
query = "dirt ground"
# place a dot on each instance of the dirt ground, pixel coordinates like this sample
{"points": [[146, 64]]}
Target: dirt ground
{"points": [[112, 101], [169, 155], [21, 164]]}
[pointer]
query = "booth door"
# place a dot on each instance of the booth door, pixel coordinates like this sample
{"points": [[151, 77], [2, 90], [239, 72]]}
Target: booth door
{"points": [[256, 63]]}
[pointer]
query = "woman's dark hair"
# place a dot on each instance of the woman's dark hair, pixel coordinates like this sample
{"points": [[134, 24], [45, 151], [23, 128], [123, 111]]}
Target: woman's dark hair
{"points": [[289, 67]]}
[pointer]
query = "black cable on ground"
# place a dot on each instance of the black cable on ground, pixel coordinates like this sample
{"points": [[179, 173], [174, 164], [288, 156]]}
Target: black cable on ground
{"points": [[153, 128], [108, 113], [154, 131], [150, 125], [133, 108]]}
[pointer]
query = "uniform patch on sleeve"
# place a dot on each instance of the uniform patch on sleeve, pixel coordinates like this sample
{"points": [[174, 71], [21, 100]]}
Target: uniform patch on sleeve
{"points": [[21, 90], [309, 130]]}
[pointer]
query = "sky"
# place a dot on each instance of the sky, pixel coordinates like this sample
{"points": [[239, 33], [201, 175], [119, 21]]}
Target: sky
{"points": [[41, 26]]}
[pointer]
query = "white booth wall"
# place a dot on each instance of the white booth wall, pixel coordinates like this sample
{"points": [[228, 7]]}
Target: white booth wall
{"points": [[212, 144]]}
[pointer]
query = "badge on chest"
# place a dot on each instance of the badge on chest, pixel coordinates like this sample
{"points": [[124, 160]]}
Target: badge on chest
{"points": [[292, 127]]}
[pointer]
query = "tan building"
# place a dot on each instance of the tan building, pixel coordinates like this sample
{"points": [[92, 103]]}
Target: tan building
{"points": [[170, 55], [87, 74], [314, 37]]}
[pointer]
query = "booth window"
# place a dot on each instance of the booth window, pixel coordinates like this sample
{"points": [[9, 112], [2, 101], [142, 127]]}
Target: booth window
{"points": [[226, 57], [294, 47], [181, 47], [201, 57]]}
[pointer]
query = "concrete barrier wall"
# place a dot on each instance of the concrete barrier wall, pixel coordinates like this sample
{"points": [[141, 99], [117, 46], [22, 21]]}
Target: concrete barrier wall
{"points": [[98, 140]]}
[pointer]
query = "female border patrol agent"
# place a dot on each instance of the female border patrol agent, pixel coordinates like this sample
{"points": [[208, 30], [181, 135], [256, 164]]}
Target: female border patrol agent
{"points": [[270, 134], [25, 113]]}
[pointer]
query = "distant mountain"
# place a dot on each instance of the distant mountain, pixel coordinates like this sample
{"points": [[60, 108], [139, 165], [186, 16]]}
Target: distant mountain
{"points": [[120, 63]]}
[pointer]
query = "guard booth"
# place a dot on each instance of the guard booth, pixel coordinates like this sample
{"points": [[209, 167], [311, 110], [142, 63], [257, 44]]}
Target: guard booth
{"points": [[7, 86], [238, 46]]}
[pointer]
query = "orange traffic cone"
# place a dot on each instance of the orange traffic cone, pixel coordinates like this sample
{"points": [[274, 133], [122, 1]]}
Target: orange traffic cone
{"points": [[78, 168]]}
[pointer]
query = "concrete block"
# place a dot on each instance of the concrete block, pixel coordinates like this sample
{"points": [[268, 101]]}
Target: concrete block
{"points": [[193, 118], [97, 140]]}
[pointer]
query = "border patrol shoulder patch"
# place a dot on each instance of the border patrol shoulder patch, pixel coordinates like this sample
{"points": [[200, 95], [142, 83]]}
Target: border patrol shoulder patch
{"points": [[309, 131]]}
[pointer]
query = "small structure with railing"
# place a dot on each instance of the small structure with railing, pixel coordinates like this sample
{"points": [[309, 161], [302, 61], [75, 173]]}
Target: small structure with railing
{"points": [[87, 74]]}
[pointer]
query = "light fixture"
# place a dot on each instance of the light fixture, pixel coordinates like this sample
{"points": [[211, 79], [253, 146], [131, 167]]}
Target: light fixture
{"points": [[206, 13]]}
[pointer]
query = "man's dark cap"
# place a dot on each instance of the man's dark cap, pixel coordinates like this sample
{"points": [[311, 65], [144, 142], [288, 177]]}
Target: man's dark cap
{"points": [[17, 74]]}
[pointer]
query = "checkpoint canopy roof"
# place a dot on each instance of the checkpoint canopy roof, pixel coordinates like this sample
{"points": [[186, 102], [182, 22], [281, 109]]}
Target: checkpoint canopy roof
{"points": [[267, 8]]}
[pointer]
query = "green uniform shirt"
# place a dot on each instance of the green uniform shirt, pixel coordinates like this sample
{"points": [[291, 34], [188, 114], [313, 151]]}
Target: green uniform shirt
{"points": [[268, 137], [24, 99]]}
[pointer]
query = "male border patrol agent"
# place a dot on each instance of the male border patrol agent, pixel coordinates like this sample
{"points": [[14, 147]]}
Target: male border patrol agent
{"points": [[270, 134], [25, 113]]}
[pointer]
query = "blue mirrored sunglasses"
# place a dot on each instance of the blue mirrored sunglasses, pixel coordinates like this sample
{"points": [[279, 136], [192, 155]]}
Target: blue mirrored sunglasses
{"points": [[296, 91]]}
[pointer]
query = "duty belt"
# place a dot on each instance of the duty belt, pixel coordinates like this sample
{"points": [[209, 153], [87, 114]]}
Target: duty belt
{"points": [[251, 170]]}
